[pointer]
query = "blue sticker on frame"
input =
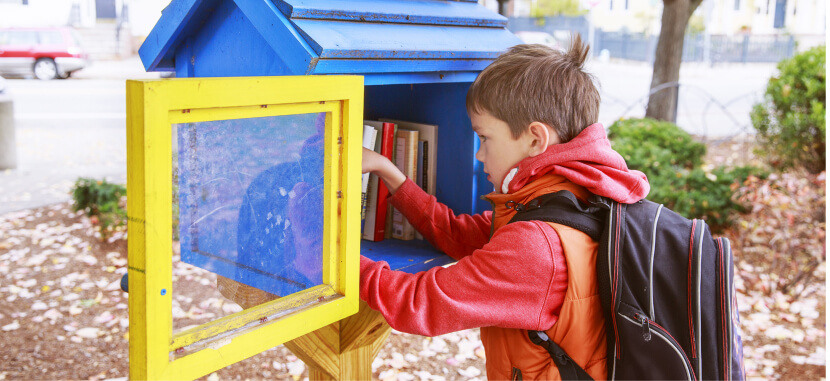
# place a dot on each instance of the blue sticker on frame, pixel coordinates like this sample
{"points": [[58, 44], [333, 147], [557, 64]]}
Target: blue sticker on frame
{"points": [[250, 195]]}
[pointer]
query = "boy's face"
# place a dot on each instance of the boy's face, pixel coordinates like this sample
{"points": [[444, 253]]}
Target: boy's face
{"points": [[498, 151]]}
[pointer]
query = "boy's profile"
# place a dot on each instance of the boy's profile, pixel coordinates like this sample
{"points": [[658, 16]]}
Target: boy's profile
{"points": [[535, 111]]}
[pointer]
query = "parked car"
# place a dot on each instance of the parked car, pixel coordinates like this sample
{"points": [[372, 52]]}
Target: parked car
{"points": [[46, 53]]}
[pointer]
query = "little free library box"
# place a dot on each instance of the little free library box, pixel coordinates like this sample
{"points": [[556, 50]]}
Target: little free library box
{"points": [[250, 159]]}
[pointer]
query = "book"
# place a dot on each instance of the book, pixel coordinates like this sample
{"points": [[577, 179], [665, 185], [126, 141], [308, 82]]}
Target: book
{"points": [[369, 136], [375, 228], [406, 155], [419, 177], [372, 191], [429, 134]]}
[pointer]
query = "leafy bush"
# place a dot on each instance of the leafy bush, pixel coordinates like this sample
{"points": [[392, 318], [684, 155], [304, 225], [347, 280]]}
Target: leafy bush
{"points": [[790, 119], [101, 201], [673, 162]]}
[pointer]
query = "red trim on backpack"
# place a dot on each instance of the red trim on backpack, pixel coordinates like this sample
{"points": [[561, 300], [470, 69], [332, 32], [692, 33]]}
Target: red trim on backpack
{"points": [[691, 369], [689, 290]]}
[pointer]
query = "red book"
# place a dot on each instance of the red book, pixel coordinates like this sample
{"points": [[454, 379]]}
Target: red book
{"points": [[386, 148]]}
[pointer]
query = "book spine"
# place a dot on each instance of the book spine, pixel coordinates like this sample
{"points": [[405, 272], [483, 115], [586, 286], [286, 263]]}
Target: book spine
{"points": [[398, 220], [387, 147], [371, 208], [369, 136], [422, 166], [411, 154], [406, 157], [419, 177], [426, 171]]}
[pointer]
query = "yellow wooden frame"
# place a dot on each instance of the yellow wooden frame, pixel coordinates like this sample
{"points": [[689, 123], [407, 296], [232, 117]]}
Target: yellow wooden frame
{"points": [[153, 106]]}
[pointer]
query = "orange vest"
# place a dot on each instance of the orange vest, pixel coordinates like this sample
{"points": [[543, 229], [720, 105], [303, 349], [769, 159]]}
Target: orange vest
{"points": [[580, 328]]}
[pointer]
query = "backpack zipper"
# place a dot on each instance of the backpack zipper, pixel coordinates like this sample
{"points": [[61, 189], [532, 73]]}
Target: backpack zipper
{"points": [[644, 321], [660, 332]]}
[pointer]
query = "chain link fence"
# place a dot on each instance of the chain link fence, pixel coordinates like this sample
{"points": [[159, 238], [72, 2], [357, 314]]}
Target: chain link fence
{"points": [[640, 47]]}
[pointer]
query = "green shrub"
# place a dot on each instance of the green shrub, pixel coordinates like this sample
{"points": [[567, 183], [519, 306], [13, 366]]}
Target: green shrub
{"points": [[656, 143], [673, 162], [790, 119], [101, 201]]}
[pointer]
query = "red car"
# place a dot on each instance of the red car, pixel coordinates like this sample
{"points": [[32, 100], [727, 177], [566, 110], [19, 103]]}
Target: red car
{"points": [[47, 53]]}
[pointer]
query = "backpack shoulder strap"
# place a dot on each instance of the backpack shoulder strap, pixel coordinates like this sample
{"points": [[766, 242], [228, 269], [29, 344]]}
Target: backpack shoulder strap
{"points": [[568, 368], [564, 208]]}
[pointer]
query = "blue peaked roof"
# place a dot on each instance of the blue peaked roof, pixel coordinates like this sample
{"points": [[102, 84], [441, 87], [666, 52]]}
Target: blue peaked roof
{"points": [[403, 41]]}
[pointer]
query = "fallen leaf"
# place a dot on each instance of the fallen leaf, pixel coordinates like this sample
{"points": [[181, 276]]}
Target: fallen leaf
{"points": [[11, 327]]}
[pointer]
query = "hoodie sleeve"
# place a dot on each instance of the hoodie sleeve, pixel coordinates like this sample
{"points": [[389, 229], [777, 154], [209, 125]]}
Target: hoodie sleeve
{"points": [[517, 280], [457, 236]]}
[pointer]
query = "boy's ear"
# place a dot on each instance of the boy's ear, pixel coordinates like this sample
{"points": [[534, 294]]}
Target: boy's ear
{"points": [[540, 138]]}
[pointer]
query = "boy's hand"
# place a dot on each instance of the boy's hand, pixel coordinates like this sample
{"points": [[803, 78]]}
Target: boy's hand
{"points": [[379, 165]]}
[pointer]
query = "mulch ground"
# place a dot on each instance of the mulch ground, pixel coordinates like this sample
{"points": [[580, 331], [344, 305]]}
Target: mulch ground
{"points": [[63, 315]]}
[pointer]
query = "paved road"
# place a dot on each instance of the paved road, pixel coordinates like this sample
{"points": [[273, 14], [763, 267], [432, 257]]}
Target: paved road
{"points": [[73, 128], [65, 130]]}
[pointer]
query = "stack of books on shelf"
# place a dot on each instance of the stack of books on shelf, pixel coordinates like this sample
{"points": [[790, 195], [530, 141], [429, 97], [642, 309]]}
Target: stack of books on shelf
{"points": [[412, 148]]}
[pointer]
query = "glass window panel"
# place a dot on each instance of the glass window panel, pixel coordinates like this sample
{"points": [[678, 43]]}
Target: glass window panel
{"points": [[248, 194], [22, 37], [51, 38]]}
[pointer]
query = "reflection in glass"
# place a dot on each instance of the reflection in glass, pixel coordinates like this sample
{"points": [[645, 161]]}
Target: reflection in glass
{"points": [[250, 200]]}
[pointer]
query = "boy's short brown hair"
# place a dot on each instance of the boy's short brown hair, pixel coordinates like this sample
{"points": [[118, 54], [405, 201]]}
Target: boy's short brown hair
{"points": [[536, 83]]}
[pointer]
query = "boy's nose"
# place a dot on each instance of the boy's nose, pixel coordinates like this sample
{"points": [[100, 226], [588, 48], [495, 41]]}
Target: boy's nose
{"points": [[479, 156]]}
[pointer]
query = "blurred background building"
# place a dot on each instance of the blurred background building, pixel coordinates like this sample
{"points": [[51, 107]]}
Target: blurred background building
{"points": [[624, 28], [719, 31]]}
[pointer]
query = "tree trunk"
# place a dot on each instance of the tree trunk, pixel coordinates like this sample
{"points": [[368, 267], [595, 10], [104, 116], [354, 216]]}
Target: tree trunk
{"points": [[667, 58], [503, 7]]}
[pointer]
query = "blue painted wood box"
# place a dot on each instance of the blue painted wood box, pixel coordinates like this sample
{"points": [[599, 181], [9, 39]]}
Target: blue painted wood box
{"points": [[418, 58]]}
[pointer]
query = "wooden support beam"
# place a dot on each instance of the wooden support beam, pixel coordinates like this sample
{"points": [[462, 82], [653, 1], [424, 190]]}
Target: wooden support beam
{"points": [[343, 350]]}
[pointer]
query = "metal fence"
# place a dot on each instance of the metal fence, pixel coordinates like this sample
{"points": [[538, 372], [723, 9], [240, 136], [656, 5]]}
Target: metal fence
{"points": [[641, 47]]}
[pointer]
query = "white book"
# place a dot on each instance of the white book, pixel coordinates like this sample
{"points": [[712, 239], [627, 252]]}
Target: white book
{"points": [[371, 194], [370, 134]]}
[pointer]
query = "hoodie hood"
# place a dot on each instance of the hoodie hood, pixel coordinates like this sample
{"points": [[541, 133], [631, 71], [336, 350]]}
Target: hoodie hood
{"points": [[587, 160]]}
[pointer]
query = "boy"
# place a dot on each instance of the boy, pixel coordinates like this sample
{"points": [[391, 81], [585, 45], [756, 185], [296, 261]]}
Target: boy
{"points": [[534, 110]]}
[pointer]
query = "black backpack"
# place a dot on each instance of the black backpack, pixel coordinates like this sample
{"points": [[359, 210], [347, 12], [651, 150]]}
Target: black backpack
{"points": [[666, 289]]}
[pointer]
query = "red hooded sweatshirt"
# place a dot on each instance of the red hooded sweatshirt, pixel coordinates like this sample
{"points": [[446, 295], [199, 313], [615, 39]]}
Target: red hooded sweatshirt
{"points": [[515, 279]]}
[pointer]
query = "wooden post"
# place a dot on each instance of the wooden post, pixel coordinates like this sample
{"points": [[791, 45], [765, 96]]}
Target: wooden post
{"points": [[343, 350]]}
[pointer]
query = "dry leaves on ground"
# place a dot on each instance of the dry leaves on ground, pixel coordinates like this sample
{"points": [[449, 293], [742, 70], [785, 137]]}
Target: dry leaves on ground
{"points": [[63, 316], [780, 257]]}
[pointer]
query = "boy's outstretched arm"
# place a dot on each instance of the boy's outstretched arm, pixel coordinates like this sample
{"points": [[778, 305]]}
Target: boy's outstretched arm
{"points": [[379, 165], [457, 236], [517, 280]]}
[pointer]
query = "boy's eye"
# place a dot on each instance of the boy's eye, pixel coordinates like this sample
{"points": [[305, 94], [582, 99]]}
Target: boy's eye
{"points": [[483, 138]]}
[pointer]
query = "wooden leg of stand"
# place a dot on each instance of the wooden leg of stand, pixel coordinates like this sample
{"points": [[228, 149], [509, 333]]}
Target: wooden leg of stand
{"points": [[343, 350]]}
